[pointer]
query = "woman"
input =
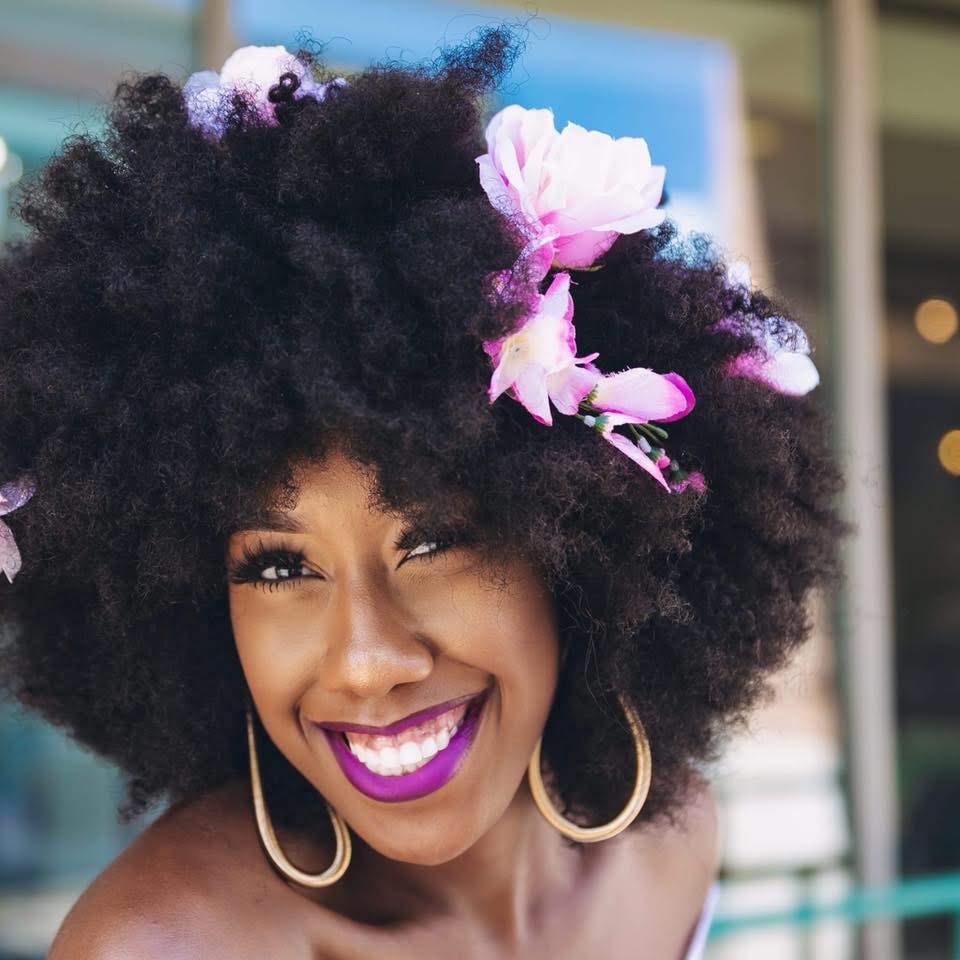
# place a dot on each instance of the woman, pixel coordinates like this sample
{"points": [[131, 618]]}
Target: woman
{"points": [[423, 624]]}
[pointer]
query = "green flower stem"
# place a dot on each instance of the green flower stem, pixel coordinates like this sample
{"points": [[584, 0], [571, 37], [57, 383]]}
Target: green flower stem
{"points": [[652, 431], [645, 427]]}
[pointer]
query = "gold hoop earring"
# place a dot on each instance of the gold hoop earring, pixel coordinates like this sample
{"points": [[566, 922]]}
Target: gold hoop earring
{"points": [[625, 817], [341, 859]]}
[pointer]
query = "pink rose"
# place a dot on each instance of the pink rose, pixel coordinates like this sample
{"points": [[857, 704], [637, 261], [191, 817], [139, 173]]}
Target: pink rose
{"points": [[582, 186]]}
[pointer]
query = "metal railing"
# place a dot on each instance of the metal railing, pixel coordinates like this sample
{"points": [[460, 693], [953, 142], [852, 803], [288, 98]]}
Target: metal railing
{"points": [[927, 895]]}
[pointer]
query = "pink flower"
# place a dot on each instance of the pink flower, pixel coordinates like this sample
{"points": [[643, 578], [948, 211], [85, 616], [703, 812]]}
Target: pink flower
{"points": [[639, 395], [251, 71], [584, 185], [605, 424], [12, 495], [694, 479], [781, 355], [787, 371], [538, 360], [644, 395], [530, 267]]}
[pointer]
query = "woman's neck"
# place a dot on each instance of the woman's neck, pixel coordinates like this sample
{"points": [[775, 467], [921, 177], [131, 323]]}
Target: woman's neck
{"points": [[501, 884]]}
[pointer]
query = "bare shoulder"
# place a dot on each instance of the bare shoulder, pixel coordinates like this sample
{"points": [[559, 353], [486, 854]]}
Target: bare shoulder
{"points": [[702, 829], [675, 864], [192, 884]]}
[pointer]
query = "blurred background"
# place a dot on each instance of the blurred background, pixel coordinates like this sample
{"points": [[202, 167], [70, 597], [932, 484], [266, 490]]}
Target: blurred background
{"points": [[819, 142]]}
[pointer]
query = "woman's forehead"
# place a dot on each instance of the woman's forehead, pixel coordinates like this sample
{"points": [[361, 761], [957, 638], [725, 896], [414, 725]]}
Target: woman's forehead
{"points": [[337, 489]]}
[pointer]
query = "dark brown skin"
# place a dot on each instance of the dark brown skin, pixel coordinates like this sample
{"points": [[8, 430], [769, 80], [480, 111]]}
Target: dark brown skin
{"points": [[365, 633]]}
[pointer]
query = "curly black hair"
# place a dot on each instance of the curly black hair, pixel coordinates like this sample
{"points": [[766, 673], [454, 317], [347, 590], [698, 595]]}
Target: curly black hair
{"points": [[191, 317]]}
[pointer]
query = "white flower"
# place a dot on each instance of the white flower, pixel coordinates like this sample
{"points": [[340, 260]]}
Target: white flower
{"points": [[781, 357], [250, 71]]}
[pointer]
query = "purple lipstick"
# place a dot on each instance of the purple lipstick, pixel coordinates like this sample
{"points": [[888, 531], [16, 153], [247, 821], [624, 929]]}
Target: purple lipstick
{"points": [[426, 778]]}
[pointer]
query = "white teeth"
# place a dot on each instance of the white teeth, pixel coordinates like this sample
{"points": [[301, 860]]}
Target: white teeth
{"points": [[393, 761]]}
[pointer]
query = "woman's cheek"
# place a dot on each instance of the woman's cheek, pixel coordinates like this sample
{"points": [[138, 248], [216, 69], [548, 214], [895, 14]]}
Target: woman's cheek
{"points": [[275, 641]]}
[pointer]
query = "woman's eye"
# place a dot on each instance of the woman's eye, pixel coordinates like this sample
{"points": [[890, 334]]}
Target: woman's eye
{"points": [[427, 547], [270, 569]]}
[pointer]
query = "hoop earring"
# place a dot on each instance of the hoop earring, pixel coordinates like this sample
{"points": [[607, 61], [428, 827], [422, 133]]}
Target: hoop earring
{"points": [[625, 817], [341, 859]]}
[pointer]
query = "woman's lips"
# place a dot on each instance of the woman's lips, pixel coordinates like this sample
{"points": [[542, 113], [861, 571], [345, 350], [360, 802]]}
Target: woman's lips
{"points": [[426, 778], [403, 723]]}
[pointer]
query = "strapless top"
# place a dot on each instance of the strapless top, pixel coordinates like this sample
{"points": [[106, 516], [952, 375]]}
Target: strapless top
{"points": [[699, 940]]}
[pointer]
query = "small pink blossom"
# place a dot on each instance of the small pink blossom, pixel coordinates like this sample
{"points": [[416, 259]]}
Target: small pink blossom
{"points": [[639, 395], [781, 355], [250, 71], [12, 495], [644, 395], [607, 421], [538, 361], [584, 185], [694, 479]]}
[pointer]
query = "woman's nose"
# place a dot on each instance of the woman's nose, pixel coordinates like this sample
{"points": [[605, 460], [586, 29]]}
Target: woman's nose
{"points": [[372, 643]]}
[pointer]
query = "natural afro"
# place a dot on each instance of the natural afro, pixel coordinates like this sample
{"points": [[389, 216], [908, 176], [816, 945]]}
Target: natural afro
{"points": [[189, 317]]}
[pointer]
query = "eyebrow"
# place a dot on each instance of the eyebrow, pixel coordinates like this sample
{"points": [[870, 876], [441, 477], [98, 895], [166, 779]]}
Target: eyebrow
{"points": [[274, 520], [279, 522]]}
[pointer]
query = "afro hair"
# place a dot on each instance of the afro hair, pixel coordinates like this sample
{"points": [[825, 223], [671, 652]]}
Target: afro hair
{"points": [[188, 318]]}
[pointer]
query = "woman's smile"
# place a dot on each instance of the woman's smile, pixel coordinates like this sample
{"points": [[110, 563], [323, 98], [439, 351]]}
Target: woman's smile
{"points": [[417, 761]]}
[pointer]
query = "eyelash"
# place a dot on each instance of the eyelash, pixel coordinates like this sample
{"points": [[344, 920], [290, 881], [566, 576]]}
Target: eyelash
{"points": [[253, 561]]}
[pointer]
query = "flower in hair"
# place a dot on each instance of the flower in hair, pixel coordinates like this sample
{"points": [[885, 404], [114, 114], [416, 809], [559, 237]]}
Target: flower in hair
{"points": [[583, 188], [538, 361], [634, 398], [12, 495], [570, 195], [250, 71], [780, 356]]}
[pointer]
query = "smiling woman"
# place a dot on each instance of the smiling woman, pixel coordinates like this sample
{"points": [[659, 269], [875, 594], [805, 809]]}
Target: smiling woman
{"points": [[332, 541]]}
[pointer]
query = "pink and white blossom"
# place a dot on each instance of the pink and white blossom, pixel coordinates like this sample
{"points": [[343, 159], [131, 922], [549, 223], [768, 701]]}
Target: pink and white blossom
{"points": [[639, 395], [584, 185], [781, 355], [538, 362], [250, 71], [644, 395]]}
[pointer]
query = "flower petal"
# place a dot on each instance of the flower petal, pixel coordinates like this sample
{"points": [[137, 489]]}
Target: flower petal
{"points": [[684, 388], [627, 446], [643, 394], [569, 386], [787, 372], [496, 189], [583, 249], [791, 373], [509, 366], [694, 479], [549, 335], [15, 493], [531, 390], [9, 554]]}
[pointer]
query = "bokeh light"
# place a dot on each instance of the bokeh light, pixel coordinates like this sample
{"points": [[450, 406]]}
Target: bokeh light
{"points": [[948, 452], [936, 320]]}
